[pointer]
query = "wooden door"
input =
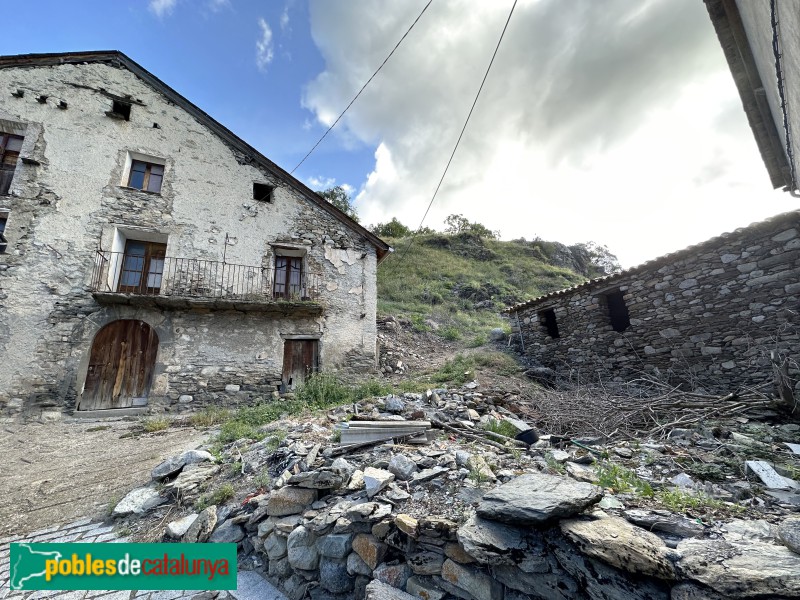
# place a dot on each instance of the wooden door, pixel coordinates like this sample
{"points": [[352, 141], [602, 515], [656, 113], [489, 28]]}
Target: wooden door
{"points": [[300, 359], [142, 267], [120, 365]]}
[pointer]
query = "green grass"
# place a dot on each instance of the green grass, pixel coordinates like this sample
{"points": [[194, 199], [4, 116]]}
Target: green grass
{"points": [[622, 480], [679, 501], [218, 497], [442, 277], [210, 416], [461, 368], [501, 427]]}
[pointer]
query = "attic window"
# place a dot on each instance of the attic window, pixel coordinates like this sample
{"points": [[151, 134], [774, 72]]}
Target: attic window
{"points": [[262, 192], [547, 318], [120, 110], [617, 310]]}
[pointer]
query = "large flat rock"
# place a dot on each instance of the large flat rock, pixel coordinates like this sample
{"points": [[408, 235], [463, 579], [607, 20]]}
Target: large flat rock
{"points": [[537, 498], [746, 569], [620, 544]]}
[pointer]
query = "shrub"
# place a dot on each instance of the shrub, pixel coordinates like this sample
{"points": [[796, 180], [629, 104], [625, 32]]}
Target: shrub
{"points": [[155, 424], [621, 480], [210, 416]]}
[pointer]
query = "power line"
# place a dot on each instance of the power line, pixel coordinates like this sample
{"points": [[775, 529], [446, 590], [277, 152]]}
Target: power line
{"points": [[324, 135], [458, 141]]}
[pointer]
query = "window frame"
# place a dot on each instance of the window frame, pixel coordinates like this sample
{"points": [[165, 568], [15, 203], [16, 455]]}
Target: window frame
{"points": [[259, 188], [148, 267], [5, 156], [147, 175]]}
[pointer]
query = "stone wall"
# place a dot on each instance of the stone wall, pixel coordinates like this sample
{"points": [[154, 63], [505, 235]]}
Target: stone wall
{"points": [[69, 198], [707, 316]]}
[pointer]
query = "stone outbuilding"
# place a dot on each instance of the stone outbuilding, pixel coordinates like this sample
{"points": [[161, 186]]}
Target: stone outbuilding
{"points": [[716, 315], [151, 258]]}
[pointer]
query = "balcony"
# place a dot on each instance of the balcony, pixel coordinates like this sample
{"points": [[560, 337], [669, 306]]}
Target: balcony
{"points": [[156, 281]]}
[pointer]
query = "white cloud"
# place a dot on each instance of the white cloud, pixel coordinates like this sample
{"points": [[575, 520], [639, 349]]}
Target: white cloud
{"points": [[162, 8], [284, 22], [321, 183], [616, 122], [264, 51], [218, 5]]}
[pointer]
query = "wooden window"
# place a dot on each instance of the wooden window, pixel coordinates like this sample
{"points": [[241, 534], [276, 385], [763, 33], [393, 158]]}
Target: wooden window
{"points": [[262, 192], [146, 176], [618, 314], [142, 267], [548, 320], [10, 146], [288, 278]]}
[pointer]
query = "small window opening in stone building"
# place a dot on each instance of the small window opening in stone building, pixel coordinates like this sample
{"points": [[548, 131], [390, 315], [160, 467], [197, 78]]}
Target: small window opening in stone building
{"points": [[3, 220], [120, 110], [146, 176], [10, 146], [262, 192], [547, 318], [617, 310]]}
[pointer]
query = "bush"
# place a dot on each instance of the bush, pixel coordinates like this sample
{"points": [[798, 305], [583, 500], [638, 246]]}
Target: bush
{"points": [[155, 424]]}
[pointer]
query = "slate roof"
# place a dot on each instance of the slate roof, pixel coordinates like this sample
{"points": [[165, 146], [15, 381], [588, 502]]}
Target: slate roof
{"points": [[118, 59], [773, 223]]}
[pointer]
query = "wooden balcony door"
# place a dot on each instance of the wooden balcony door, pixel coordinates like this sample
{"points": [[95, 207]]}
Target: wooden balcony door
{"points": [[300, 359], [142, 267], [288, 278], [121, 366], [10, 145]]}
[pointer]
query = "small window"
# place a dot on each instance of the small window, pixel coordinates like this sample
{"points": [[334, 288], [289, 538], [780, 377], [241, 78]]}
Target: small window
{"points": [[10, 146], [617, 311], [262, 192], [3, 221], [146, 176], [120, 110], [547, 318]]}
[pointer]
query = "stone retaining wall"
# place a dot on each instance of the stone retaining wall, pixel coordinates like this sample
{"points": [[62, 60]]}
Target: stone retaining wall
{"points": [[709, 315]]}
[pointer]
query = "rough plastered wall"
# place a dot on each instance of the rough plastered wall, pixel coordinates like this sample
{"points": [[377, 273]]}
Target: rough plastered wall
{"points": [[756, 18], [708, 316], [67, 201]]}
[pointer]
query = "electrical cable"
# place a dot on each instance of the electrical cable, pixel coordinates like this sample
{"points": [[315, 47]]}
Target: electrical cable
{"points": [[458, 141], [324, 135]]}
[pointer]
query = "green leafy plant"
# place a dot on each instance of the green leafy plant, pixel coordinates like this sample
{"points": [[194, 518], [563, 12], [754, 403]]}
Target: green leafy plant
{"points": [[553, 464]]}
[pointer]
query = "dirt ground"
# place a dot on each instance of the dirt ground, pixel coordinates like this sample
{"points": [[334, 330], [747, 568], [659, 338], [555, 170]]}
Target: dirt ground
{"points": [[55, 473]]}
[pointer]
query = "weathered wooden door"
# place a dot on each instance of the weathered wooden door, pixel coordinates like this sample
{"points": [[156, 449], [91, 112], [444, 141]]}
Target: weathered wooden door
{"points": [[120, 365], [300, 358]]}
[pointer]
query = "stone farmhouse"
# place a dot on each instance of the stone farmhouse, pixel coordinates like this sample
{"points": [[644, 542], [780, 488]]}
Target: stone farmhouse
{"points": [[151, 258], [716, 315], [761, 42]]}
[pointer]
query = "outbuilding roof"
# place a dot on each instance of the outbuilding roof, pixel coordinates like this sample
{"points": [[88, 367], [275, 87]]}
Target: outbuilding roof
{"points": [[771, 224]]}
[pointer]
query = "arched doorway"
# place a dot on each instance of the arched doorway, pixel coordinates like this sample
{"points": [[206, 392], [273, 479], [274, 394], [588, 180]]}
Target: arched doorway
{"points": [[120, 366]]}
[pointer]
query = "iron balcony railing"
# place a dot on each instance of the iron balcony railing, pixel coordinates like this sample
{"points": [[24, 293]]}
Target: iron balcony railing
{"points": [[153, 275]]}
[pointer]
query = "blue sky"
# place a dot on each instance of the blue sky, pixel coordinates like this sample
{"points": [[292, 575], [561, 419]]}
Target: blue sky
{"points": [[614, 121]]}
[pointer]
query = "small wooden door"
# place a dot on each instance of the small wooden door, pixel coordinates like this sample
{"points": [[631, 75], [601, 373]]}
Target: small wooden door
{"points": [[300, 359], [120, 366]]}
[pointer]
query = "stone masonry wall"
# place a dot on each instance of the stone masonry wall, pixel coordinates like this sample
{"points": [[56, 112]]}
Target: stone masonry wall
{"points": [[708, 316], [69, 199]]}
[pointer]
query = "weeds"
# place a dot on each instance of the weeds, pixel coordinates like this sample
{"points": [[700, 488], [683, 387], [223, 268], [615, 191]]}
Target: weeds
{"points": [[210, 416], [155, 424], [501, 428], [218, 497], [554, 465], [679, 501], [622, 480]]}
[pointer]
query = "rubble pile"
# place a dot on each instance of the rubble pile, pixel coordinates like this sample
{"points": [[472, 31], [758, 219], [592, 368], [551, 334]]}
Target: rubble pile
{"points": [[474, 513]]}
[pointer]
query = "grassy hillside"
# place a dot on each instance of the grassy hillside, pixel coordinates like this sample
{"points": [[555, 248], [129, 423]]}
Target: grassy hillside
{"points": [[456, 285]]}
